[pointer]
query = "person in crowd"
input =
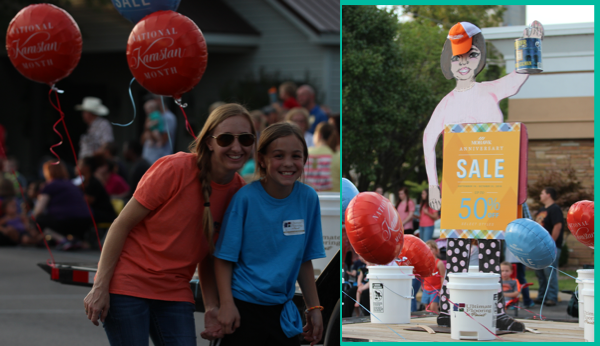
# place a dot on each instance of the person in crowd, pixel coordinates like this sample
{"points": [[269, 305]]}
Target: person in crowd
{"points": [[110, 151], [406, 210], [379, 190], [287, 94], [512, 259], [299, 116], [509, 286], [60, 210], [113, 183], [256, 294], [258, 119], [155, 138], [170, 123], [16, 220], [322, 169], [433, 284], [550, 216], [142, 287], [271, 115], [334, 120], [11, 172], [427, 217], [132, 152], [306, 98], [359, 270], [91, 168], [99, 129]]}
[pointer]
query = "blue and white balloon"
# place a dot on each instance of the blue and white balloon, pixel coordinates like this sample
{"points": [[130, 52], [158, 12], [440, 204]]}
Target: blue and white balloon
{"points": [[530, 243], [135, 10], [349, 191]]}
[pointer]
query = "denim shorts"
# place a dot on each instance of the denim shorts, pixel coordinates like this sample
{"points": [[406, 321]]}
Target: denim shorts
{"points": [[430, 297], [132, 320]]}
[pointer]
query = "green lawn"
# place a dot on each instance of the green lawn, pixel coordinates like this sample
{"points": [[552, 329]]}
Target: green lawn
{"points": [[565, 283]]}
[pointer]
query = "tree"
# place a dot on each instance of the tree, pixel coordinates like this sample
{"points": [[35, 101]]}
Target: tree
{"points": [[484, 16]]}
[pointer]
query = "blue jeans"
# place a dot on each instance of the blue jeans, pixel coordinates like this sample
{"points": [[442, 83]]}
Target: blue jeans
{"points": [[416, 285], [521, 278], [543, 276], [425, 233], [131, 320]]}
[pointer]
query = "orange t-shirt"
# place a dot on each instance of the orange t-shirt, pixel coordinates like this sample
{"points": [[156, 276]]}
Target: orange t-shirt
{"points": [[161, 252]]}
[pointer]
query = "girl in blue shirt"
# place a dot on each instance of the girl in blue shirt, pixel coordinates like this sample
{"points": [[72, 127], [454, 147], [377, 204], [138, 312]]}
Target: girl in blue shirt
{"points": [[270, 233]]}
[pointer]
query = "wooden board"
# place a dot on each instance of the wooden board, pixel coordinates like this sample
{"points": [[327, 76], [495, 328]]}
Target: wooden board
{"points": [[549, 332]]}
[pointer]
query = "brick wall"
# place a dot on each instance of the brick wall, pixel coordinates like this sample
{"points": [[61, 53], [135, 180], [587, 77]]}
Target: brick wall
{"points": [[579, 254], [558, 154]]}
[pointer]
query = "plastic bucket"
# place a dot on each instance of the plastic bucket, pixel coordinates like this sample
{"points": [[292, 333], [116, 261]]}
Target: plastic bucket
{"points": [[475, 294], [474, 269], [588, 304], [582, 274], [330, 225], [390, 291]]}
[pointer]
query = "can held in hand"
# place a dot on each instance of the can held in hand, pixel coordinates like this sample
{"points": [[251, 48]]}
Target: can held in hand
{"points": [[528, 55]]}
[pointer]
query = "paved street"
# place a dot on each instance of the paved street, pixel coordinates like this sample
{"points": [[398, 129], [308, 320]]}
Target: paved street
{"points": [[37, 311]]}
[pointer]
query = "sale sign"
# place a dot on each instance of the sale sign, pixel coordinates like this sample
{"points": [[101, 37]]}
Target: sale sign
{"points": [[480, 179]]}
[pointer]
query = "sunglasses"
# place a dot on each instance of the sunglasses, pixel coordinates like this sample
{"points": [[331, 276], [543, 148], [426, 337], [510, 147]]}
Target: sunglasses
{"points": [[225, 139]]}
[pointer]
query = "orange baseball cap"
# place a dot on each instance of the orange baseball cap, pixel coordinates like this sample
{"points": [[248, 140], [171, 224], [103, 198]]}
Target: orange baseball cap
{"points": [[461, 37]]}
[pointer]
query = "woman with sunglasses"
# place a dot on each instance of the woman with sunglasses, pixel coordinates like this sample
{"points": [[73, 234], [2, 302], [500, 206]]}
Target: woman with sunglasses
{"points": [[166, 230]]}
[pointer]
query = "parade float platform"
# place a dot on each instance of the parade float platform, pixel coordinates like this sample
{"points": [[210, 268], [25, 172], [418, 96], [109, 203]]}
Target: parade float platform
{"points": [[360, 329]]}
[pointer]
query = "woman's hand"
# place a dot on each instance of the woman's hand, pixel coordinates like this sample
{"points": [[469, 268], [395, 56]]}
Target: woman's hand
{"points": [[212, 327], [313, 330], [229, 318], [96, 304]]}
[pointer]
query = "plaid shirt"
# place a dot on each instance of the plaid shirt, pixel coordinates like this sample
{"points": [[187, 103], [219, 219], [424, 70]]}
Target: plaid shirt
{"points": [[99, 133]]}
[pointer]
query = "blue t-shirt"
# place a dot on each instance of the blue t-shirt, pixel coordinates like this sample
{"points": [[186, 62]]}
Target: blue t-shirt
{"points": [[268, 239], [319, 115]]}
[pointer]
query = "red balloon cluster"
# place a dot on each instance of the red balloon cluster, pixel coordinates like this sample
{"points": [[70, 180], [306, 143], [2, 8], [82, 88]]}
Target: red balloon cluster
{"points": [[43, 43], [166, 53], [580, 220], [374, 228], [417, 254]]}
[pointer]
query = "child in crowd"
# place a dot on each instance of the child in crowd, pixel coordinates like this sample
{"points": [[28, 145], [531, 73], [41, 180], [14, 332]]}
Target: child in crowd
{"points": [[270, 233], [156, 123], [362, 286], [509, 286], [433, 284], [15, 220]]}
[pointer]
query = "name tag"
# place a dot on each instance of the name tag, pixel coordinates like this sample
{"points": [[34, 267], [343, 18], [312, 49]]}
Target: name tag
{"points": [[293, 227]]}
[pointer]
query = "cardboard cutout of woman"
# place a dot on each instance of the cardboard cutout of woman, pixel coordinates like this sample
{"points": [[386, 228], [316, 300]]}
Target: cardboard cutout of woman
{"points": [[463, 57]]}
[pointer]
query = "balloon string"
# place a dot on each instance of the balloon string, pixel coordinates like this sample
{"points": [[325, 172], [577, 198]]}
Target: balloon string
{"points": [[58, 108], [546, 292], [3, 153], [132, 103], [162, 101], [187, 123], [54, 128], [367, 310]]}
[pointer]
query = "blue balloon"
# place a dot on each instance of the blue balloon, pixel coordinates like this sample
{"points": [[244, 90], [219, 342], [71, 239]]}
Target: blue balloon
{"points": [[349, 191], [530, 243], [134, 10]]}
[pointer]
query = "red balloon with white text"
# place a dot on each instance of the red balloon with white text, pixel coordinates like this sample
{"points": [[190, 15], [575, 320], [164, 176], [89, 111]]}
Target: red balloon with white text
{"points": [[580, 221], [44, 43], [374, 228], [417, 254], [166, 53]]}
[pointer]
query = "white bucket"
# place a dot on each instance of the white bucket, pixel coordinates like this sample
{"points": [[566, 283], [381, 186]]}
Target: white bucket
{"points": [[582, 274], [477, 295], [390, 291], [473, 269], [588, 304]]}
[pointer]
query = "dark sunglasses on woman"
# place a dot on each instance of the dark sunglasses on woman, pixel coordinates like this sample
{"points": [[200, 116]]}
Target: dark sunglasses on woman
{"points": [[225, 139]]}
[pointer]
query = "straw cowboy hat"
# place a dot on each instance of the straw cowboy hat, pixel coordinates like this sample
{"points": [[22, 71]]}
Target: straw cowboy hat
{"points": [[93, 105]]}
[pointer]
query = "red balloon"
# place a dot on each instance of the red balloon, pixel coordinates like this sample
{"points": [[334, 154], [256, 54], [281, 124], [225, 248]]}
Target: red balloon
{"points": [[417, 254], [43, 43], [374, 228], [580, 220], [166, 53]]}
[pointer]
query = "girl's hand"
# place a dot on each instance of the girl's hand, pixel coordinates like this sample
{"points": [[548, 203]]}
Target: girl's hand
{"points": [[313, 330], [96, 304], [212, 327], [229, 318]]}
